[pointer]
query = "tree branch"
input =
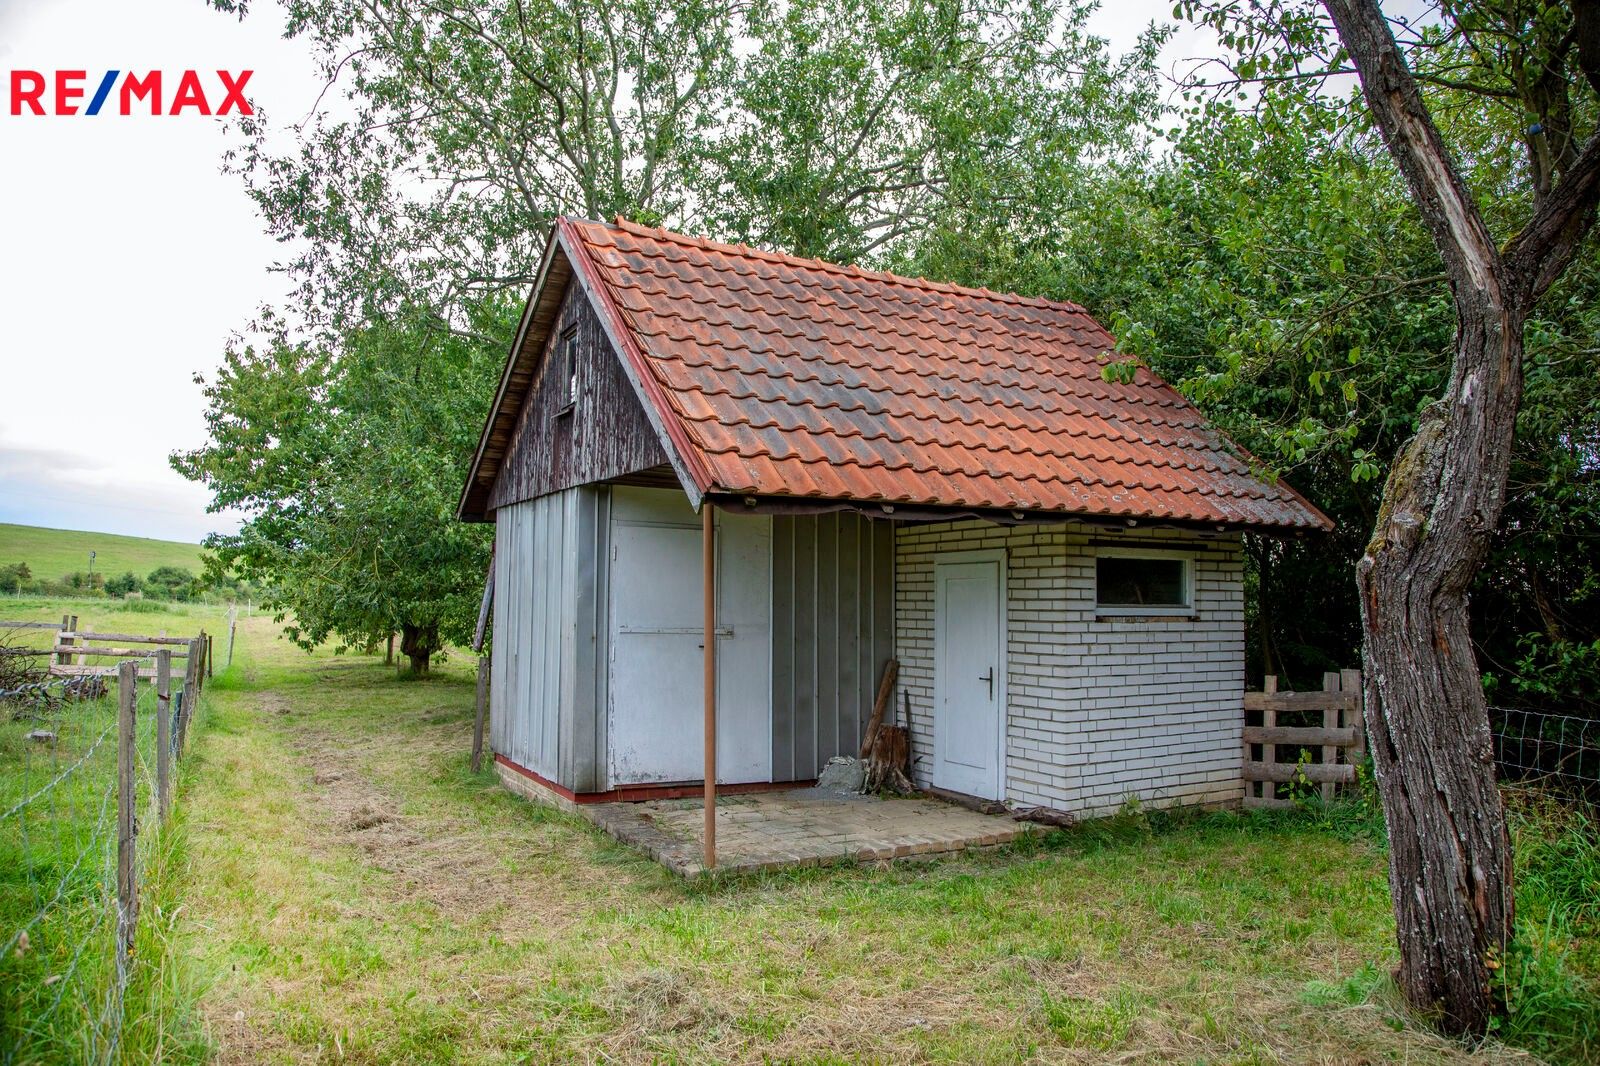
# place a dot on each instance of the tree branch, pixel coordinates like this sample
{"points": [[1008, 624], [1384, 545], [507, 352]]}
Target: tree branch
{"points": [[1447, 208], [1543, 248]]}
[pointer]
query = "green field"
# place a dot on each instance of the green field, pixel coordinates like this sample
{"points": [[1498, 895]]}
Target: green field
{"points": [[52, 553]]}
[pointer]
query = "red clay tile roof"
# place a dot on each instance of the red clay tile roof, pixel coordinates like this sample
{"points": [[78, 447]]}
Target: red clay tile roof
{"points": [[793, 377]]}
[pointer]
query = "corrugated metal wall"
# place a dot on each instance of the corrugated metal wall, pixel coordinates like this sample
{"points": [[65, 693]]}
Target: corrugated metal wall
{"points": [[548, 609], [832, 633]]}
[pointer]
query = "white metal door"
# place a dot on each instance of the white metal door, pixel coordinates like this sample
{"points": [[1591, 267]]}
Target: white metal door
{"points": [[656, 667], [657, 711], [969, 674]]}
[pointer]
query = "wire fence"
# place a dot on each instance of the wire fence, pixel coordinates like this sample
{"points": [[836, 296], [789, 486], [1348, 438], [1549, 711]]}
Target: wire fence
{"points": [[1532, 745], [85, 782]]}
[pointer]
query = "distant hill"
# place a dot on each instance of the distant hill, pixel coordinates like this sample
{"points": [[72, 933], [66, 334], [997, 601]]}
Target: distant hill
{"points": [[51, 553]]}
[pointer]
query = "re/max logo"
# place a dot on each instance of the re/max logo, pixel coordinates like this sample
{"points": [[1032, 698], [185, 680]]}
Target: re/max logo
{"points": [[31, 93]]}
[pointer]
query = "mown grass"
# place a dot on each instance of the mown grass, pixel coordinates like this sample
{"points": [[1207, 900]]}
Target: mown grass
{"points": [[58, 998], [53, 553], [356, 893], [337, 885]]}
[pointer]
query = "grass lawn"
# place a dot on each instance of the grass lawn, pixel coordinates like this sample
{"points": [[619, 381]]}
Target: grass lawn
{"points": [[353, 892], [58, 773], [53, 553]]}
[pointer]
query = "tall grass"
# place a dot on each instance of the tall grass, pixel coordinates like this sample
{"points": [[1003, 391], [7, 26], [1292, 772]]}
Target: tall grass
{"points": [[1549, 983], [148, 607]]}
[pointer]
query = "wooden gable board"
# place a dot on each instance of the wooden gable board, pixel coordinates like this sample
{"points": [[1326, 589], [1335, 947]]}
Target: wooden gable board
{"points": [[524, 451], [604, 434]]}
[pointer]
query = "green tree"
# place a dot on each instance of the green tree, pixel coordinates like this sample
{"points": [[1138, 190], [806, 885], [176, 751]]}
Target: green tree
{"points": [[172, 583], [350, 468], [839, 128], [1510, 88], [15, 578], [121, 586], [859, 126]]}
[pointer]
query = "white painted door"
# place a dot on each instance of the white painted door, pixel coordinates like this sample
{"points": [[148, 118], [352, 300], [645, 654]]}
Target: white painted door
{"points": [[656, 634], [657, 710], [969, 675]]}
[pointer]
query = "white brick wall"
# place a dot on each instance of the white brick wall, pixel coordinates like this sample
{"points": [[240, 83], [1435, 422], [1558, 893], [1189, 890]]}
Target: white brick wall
{"points": [[1099, 709]]}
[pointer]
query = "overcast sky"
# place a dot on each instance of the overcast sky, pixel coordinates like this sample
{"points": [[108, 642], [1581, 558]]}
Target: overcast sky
{"points": [[128, 258]]}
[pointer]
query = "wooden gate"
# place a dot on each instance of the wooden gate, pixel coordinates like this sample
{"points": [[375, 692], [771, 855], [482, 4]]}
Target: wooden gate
{"points": [[1325, 725]]}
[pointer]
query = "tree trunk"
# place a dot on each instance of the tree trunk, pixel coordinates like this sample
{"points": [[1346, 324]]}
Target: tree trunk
{"points": [[417, 644], [1449, 853]]}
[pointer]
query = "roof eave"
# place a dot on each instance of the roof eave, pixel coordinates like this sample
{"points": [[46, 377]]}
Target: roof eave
{"points": [[465, 511]]}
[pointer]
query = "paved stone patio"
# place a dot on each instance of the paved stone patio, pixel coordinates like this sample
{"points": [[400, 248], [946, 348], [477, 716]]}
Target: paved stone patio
{"points": [[801, 827]]}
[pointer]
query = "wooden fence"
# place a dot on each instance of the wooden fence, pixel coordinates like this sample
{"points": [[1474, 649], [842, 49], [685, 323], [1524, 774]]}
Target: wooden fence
{"points": [[1296, 739], [129, 812], [74, 649]]}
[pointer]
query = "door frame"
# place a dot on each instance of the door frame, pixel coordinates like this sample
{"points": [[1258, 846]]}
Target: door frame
{"points": [[956, 558]]}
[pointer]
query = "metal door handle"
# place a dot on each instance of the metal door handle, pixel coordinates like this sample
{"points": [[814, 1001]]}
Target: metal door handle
{"points": [[989, 677]]}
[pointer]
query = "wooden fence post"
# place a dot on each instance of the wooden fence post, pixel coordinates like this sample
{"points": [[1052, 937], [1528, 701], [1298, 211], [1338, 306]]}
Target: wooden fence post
{"points": [[233, 624], [127, 737], [1350, 681], [186, 709], [209, 650], [1330, 720], [1269, 719], [483, 704], [62, 658], [164, 732], [82, 660], [388, 656]]}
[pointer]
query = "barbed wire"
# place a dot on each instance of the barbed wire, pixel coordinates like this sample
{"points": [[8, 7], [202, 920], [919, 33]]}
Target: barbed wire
{"points": [[56, 781], [85, 686], [65, 860], [71, 929], [61, 886]]}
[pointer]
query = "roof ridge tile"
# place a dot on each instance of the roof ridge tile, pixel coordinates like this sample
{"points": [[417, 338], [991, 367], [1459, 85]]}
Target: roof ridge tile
{"points": [[768, 255]]}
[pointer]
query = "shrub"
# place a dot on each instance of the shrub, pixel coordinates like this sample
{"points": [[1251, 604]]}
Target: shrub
{"points": [[172, 583], [15, 578]]}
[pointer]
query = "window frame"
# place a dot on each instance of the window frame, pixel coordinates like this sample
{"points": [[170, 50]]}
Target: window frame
{"points": [[1187, 609], [567, 360]]}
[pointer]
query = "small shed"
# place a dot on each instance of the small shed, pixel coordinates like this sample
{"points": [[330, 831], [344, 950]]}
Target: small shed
{"points": [[729, 485]]}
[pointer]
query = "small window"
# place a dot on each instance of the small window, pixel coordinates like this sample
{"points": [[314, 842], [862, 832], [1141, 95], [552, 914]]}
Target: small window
{"points": [[568, 365], [1128, 583]]}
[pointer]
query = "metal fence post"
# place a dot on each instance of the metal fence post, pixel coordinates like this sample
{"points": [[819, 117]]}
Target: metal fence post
{"points": [[164, 731]]}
